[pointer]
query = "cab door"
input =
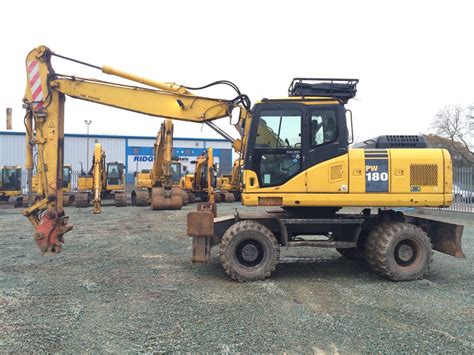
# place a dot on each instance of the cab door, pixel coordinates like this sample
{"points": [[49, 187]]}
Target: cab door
{"points": [[326, 149], [275, 151]]}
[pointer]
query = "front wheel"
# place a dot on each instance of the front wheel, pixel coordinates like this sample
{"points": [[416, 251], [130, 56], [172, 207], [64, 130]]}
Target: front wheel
{"points": [[399, 251], [249, 251]]}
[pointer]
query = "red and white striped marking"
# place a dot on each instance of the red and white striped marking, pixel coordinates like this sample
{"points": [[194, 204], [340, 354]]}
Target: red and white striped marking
{"points": [[35, 84]]}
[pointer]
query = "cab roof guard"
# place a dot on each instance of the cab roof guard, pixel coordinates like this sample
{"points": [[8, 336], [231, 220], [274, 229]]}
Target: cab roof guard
{"points": [[341, 89]]}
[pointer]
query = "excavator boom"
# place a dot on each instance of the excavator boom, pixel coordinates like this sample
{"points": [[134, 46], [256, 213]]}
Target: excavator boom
{"points": [[44, 102]]}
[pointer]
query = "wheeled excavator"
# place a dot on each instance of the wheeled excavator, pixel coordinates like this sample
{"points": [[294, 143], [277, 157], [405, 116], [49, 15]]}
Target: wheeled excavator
{"points": [[10, 186], [103, 180], [160, 183], [297, 164]]}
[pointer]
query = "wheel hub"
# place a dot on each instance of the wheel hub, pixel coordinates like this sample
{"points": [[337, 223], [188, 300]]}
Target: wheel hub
{"points": [[249, 252], [405, 252]]}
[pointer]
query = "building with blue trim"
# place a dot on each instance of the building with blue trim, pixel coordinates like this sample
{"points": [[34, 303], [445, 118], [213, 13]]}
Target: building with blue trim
{"points": [[136, 152]]}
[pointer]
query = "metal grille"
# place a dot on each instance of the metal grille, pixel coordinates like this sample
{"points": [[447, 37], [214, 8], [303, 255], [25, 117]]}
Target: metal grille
{"points": [[335, 172], [423, 175], [463, 192]]}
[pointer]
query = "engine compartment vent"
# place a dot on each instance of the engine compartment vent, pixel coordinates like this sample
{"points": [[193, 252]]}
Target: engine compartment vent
{"points": [[394, 141], [423, 175], [336, 172]]}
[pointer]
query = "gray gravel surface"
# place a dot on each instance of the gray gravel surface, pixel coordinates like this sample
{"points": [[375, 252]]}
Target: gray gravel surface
{"points": [[124, 282]]}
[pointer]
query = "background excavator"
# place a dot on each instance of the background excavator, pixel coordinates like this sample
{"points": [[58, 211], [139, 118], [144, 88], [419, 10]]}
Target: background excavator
{"points": [[102, 181], [297, 161], [161, 182], [201, 184], [68, 195], [10, 186], [230, 186]]}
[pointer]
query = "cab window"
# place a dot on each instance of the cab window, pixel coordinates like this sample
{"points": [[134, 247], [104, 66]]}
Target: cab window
{"points": [[279, 129], [277, 154], [323, 127]]}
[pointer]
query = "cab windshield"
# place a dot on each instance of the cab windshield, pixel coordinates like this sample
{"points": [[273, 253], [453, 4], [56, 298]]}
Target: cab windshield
{"points": [[114, 172], [175, 172], [10, 179], [66, 176]]}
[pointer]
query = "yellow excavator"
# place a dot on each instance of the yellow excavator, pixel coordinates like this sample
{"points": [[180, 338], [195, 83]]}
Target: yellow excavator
{"points": [[297, 163], [68, 195], [102, 181], [229, 186], [161, 182], [201, 184], [10, 186]]}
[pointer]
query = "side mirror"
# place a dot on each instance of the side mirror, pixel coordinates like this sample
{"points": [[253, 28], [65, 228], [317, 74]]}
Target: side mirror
{"points": [[235, 115], [349, 120]]}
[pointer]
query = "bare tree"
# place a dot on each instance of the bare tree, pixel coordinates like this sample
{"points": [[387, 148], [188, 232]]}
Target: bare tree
{"points": [[456, 123]]}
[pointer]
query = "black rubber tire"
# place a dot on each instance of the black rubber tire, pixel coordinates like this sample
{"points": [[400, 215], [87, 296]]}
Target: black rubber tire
{"points": [[249, 232], [352, 253], [382, 256]]}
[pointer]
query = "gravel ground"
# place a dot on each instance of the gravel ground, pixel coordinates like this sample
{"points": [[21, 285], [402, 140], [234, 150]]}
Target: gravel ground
{"points": [[124, 282]]}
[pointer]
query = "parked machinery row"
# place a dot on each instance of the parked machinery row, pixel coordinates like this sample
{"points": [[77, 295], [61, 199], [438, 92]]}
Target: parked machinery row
{"points": [[163, 186]]}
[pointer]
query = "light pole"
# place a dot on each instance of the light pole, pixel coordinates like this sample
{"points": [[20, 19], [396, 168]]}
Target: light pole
{"points": [[88, 123]]}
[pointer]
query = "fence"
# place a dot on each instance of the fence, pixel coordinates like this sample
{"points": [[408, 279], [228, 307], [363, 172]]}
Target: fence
{"points": [[463, 191]]}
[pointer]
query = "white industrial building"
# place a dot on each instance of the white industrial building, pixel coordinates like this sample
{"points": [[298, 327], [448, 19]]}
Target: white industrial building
{"points": [[135, 152]]}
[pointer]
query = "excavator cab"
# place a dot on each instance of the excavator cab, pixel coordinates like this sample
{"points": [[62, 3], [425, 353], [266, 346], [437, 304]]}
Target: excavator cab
{"points": [[11, 179], [289, 137], [10, 185], [67, 178], [115, 176], [176, 172]]}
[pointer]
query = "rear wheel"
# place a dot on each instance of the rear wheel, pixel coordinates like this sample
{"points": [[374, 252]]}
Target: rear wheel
{"points": [[249, 251], [399, 251]]}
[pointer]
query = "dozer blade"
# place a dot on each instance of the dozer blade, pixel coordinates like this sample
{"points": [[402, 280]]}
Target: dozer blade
{"points": [[166, 199], [82, 199], [120, 199], [445, 237]]}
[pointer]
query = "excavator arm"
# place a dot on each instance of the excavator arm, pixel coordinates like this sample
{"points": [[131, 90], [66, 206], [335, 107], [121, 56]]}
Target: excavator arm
{"points": [[161, 171], [163, 194], [44, 103], [99, 177]]}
